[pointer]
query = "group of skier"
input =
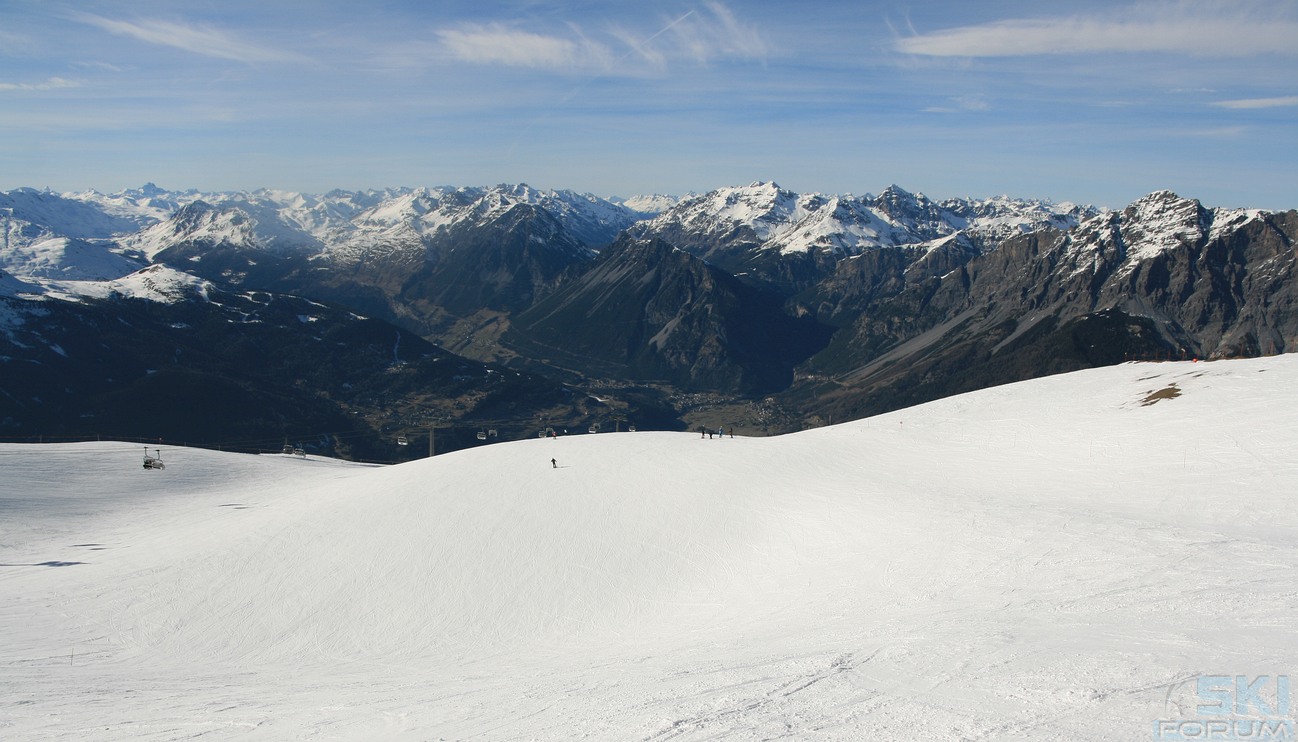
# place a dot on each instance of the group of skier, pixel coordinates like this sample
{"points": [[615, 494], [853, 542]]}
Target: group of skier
{"points": [[704, 432]]}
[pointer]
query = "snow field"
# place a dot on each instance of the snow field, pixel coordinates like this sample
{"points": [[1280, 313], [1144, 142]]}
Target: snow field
{"points": [[1055, 559]]}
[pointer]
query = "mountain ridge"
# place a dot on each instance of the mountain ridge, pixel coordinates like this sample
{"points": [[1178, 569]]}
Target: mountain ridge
{"points": [[827, 306]]}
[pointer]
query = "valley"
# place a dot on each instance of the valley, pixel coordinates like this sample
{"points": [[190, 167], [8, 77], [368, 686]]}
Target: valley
{"points": [[773, 310]]}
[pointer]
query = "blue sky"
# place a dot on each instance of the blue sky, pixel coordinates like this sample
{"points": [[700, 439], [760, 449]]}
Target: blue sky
{"points": [[1097, 102]]}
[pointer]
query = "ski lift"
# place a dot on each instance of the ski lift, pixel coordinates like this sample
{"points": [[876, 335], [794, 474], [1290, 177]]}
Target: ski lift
{"points": [[482, 435], [299, 451], [153, 462], [288, 450], [594, 428], [492, 433], [541, 434], [630, 428], [401, 441]]}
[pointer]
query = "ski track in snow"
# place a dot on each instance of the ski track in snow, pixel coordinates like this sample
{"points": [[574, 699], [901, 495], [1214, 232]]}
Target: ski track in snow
{"points": [[1057, 559]]}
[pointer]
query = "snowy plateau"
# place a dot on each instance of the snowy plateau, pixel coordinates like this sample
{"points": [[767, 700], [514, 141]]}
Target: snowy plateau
{"points": [[1074, 557]]}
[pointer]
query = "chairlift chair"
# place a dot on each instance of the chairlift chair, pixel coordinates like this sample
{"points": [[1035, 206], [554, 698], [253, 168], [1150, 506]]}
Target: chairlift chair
{"points": [[153, 462], [482, 435]]}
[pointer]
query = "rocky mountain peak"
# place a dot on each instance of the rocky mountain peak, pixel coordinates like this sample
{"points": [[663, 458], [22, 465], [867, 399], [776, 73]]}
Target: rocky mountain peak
{"points": [[194, 213], [1163, 221], [907, 208]]}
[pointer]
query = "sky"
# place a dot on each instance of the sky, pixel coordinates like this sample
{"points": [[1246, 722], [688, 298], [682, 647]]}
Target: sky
{"points": [[1099, 102]]}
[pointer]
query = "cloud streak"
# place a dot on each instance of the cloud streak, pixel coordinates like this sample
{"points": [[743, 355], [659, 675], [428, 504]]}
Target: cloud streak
{"points": [[963, 103], [202, 40], [714, 34], [1183, 28], [498, 44], [54, 83], [699, 36], [1248, 103]]}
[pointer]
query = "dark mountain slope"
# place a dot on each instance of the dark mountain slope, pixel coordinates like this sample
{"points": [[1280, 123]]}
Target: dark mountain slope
{"points": [[1163, 278], [250, 370], [649, 312]]}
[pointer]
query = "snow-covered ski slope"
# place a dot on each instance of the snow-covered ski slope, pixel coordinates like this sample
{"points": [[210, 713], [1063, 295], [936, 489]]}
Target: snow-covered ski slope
{"points": [[1056, 559]]}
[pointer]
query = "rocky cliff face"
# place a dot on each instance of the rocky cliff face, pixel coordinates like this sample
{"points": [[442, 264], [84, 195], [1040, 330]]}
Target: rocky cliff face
{"points": [[1165, 277], [504, 264]]}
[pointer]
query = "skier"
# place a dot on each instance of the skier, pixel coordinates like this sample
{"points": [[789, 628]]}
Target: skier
{"points": [[554, 464]]}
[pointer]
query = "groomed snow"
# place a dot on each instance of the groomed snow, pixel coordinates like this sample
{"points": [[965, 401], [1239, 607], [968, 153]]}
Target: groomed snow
{"points": [[1057, 559]]}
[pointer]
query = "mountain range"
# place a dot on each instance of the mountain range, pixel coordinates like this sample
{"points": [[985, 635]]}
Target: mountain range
{"points": [[773, 308]]}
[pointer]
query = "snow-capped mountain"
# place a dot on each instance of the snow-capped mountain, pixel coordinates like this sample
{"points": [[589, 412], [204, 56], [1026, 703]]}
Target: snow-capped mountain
{"points": [[156, 283], [984, 291], [406, 220], [764, 217], [245, 224], [1151, 226], [12, 286], [1002, 217], [1163, 277], [144, 205], [29, 216], [727, 225], [68, 258], [772, 234], [343, 224], [648, 205]]}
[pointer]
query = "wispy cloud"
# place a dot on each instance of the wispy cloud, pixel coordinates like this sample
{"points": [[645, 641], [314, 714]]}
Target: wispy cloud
{"points": [[12, 43], [53, 83], [197, 39], [100, 66], [1221, 132], [1224, 30], [1281, 102], [716, 33], [497, 44], [963, 103], [699, 36]]}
